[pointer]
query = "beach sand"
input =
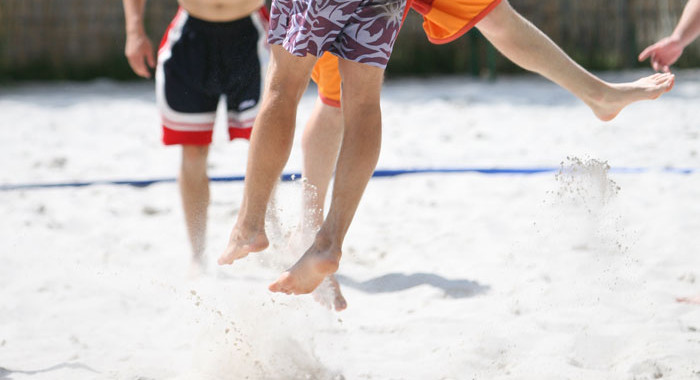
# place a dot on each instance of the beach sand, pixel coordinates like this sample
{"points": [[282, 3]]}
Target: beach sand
{"points": [[570, 274]]}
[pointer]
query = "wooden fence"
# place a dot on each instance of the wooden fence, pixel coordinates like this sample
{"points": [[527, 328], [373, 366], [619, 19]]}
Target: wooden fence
{"points": [[76, 39]]}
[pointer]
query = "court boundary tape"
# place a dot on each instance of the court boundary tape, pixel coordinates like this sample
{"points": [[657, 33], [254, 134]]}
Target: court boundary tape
{"points": [[379, 173]]}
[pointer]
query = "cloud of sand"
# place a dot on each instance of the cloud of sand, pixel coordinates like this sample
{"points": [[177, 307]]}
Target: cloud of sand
{"points": [[584, 216]]}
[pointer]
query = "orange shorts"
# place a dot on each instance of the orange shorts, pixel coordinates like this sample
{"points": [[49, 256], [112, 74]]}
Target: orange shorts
{"points": [[327, 78], [443, 21], [446, 20]]}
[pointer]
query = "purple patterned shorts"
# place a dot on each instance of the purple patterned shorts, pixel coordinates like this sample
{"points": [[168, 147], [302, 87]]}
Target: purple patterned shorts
{"points": [[362, 31]]}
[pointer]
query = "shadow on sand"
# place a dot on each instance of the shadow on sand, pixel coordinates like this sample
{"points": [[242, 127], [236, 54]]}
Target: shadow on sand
{"points": [[395, 282]]}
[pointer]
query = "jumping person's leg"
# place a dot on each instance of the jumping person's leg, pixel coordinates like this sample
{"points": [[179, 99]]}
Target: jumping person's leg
{"points": [[357, 160], [320, 143], [528, 47], [270, 145], [321, 140], [363, 59], [194, 191]]}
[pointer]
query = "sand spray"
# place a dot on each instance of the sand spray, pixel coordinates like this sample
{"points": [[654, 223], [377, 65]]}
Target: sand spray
{"points": [[247, 332]]}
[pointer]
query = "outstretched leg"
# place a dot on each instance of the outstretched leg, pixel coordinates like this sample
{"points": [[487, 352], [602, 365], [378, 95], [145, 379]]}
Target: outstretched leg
{"points": [[357, 159], [194, 192], [270, 145], [528, 47], [320, 144]]}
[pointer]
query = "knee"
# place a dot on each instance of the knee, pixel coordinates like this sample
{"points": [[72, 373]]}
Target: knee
{"points": [[194, 158], [281, 92], [362, 107]]}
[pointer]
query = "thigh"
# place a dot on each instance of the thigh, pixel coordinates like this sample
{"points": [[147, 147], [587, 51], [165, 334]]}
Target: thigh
{"points": [[369, 35], [308, 26], [361, 83], [288, 75], [187, 111], [246, 56], [193, 124]]}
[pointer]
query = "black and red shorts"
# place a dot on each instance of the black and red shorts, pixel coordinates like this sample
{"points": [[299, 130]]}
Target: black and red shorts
{"points": [[201, 62]]}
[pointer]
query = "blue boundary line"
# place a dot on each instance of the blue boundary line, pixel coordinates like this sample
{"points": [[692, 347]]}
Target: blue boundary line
{"points": [[377, 174]]}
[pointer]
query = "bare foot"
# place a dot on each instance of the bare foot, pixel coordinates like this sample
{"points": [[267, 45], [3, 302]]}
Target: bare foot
{"points": [[197, 267], [693, 300], [241, 243], [304, 276], [620, 95], [329, 295]]}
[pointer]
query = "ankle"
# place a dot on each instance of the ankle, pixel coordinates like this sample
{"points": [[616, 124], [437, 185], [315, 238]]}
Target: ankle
{"points": [[599, 94], [326, 243]]}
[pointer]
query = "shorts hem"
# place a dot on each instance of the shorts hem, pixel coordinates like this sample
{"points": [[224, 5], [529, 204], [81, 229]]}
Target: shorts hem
{"points": [[173, 137], [239, 133], [466, 28], [329, 102]]}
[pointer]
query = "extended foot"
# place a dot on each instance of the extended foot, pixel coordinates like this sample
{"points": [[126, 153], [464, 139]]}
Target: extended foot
{"points": [[620, 95], [241, 243], [694, 300], [304, 276], [329, 295]]}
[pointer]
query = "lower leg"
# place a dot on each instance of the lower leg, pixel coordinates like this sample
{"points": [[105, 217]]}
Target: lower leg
{"points": [[357, 159], [270, 145], [194, 191], [528, 47], [320, 144]]}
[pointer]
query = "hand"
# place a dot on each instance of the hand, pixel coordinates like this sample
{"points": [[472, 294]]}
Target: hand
{"points": [[139, 53], [663, 53]]}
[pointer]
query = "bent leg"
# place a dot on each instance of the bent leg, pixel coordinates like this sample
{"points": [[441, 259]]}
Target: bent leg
{"points": [[194, 192], [270, 145], [320, 144], [528, 47], [357, 159]]}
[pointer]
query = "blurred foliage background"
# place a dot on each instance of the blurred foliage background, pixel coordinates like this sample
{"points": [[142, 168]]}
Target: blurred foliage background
{"points": [[84, 39]]}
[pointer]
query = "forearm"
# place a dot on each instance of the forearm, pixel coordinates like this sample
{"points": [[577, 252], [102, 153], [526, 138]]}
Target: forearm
{"points": [[133, 15], [688, 28]]}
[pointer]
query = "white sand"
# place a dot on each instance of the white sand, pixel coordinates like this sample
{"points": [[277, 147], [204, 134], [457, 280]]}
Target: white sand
{"points": [[460, 276]]}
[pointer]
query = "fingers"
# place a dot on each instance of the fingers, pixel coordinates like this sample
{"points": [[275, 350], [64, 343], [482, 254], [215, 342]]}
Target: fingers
{"points": [[662, 54], [659, 66], [151, 59], [139, 53], [646, 53], [139, 66], [650, 52]]}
